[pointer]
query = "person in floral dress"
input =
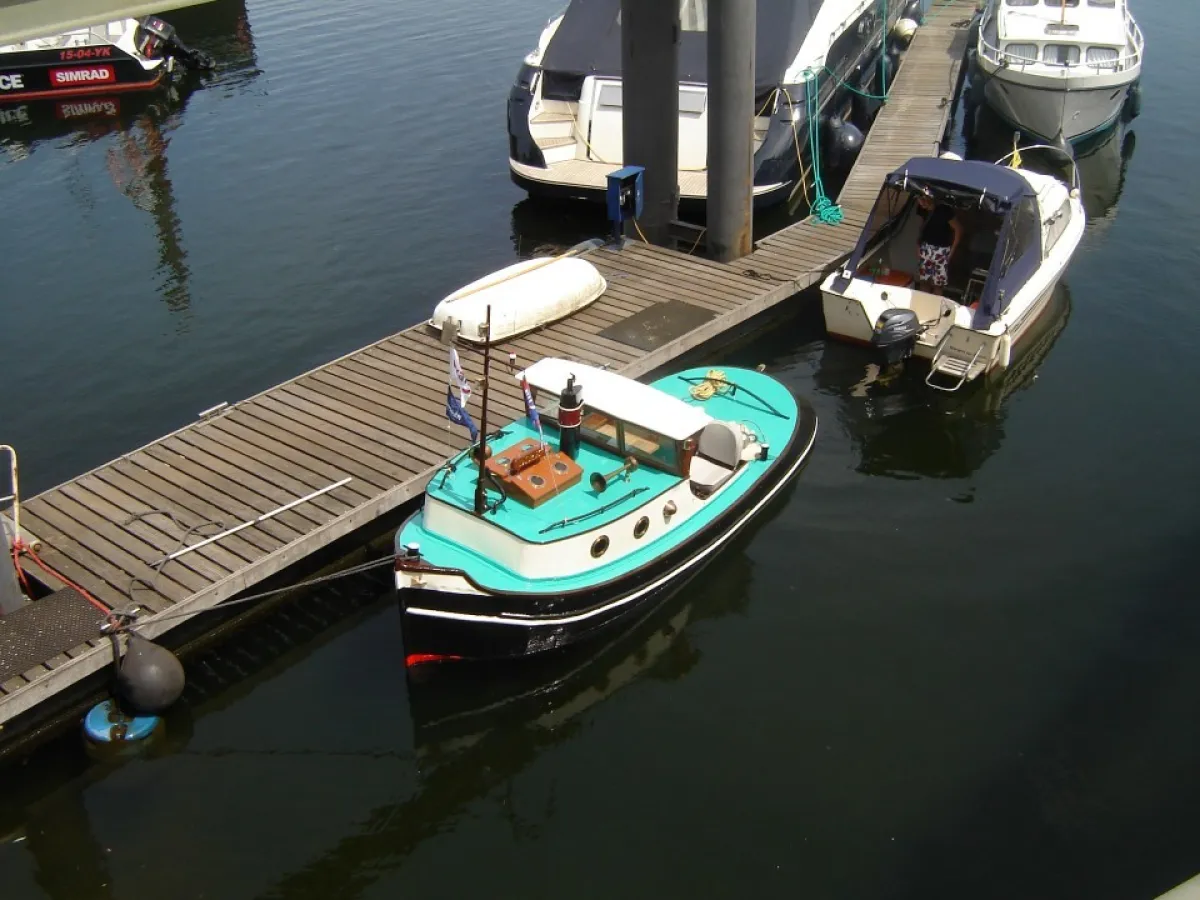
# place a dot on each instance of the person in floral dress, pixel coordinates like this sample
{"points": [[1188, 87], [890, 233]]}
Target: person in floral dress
{"points": [[939, 239]]}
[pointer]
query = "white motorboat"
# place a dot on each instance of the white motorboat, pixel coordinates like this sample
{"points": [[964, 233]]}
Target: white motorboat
{"points": [[565, 110], [1060, 68], [522, 297], [1018, 230]]}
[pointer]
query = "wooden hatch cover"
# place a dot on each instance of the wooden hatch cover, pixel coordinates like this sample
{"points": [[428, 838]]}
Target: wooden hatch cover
{"points": [[532, 473]]}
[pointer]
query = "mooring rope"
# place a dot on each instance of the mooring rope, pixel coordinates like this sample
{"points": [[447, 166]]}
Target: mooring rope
{"points": [[822, 208]]}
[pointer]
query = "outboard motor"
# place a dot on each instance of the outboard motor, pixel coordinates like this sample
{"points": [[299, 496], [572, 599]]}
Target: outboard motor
{"points": [[156, 39], [570, 413], [895, 334]]}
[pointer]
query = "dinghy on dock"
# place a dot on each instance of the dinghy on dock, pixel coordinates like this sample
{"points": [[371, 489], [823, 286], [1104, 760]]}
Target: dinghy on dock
{"points": [[522, 297]]}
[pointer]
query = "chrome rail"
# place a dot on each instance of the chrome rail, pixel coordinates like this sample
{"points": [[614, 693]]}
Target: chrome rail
{"points": [[1125, 60]]}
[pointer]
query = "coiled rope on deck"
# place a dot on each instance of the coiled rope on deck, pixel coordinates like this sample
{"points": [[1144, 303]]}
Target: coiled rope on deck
{"points": [[714, 383]]}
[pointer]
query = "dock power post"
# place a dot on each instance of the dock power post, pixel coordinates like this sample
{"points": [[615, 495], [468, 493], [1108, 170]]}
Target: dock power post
{"points": [[625, 197]]}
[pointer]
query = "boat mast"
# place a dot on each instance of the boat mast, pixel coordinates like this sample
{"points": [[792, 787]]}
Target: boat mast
{"points": [[482, 452]]}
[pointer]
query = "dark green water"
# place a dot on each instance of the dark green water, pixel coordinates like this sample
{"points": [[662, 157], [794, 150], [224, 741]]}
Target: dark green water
{"points": [[958, 658]]}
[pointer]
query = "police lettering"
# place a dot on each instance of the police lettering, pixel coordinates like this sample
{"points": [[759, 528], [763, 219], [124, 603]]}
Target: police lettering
{"points": [[15, 82]]}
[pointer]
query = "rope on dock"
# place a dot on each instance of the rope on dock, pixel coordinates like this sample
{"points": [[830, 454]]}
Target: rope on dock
{"points": [[220, 607]]}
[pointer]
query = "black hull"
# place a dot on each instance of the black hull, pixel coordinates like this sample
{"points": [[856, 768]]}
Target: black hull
{"points": [[67, 74], [477, 627]]}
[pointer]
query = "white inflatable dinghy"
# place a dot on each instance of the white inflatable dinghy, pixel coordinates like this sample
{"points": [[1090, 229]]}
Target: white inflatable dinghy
{"points": [[523, 296]]}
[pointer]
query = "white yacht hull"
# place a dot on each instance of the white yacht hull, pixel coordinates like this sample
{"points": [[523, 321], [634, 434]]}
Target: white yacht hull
{"points": [[1042, 106]]}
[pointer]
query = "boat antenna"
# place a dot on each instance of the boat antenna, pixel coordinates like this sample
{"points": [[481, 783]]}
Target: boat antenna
{"points": [[482, 453]]}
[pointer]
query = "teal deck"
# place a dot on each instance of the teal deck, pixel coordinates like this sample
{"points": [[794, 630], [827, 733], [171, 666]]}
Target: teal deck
{"points": [[529, 524]]}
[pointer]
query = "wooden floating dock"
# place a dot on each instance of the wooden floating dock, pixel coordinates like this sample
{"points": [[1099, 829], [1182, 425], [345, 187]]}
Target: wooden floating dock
{"points": [[287, 472]]}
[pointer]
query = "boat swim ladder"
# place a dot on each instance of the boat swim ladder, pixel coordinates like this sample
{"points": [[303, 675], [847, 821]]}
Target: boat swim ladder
{"points": [[951, 364]]}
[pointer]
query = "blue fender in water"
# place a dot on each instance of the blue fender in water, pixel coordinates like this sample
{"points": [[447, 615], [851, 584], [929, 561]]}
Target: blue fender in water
{"points": [[106, 724]]}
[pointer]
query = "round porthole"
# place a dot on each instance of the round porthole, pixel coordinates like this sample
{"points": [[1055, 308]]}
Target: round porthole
{"points": [[599, 546], [642, 526], [537, 480], [560, 468]]}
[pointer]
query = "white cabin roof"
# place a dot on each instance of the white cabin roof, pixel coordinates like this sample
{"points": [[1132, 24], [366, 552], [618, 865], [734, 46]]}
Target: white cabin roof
{"points": [[620, 397], [1101, 25]]}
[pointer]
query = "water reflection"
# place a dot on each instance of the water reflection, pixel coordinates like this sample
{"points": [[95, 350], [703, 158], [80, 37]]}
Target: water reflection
{"points": [[472, 736], [137, 130], [544, 227], [1102, 160], [474, 732], [905, 430]]}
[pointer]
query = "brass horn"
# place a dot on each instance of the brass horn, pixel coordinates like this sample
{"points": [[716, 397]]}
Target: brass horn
{"points": [[600, 482]]}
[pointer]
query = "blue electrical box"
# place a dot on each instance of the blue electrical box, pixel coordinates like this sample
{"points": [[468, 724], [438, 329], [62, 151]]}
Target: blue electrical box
{"points": [[624, 195]]}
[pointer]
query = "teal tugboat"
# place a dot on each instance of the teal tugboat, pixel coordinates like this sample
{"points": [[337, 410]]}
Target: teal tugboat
{"points": [[584, 526]]}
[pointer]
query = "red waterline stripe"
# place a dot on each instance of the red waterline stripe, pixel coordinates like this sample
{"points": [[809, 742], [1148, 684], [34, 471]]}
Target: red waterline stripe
{"points": [[97, 88], [415, 659]]}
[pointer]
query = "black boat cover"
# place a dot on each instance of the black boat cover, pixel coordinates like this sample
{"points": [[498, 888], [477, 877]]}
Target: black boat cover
{"points": [[588, 41]]}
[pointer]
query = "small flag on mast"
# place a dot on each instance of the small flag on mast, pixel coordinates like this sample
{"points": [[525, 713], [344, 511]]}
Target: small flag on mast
{"points": [[460, 378], [457, 414], [530, 409]]}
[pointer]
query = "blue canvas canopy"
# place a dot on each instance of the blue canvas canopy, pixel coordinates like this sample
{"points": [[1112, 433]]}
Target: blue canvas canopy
{"points": [[967, 184], [999, 187]]}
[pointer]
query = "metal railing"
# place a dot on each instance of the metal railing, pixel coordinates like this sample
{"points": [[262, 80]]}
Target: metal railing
{"points": [[1130, 57], [14, 492]]}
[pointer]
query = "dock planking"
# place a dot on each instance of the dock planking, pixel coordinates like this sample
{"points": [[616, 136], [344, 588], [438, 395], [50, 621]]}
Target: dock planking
{"points": [[377, 416]]}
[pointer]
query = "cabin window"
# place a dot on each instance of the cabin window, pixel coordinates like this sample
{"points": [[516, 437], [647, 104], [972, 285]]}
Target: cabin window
{"points": [[1059, 3], [1022, 2], [1021, 53], [1061, 54], [611, 96], [1109, 3], [1057, 224], [1103, 57], [600, 428], [650, 447]]}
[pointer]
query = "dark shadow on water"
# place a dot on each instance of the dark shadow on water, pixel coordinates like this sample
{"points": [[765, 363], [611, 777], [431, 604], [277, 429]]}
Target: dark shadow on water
{"points": [[474, 735], [547, 227], [470, 740], [43, 802]]}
